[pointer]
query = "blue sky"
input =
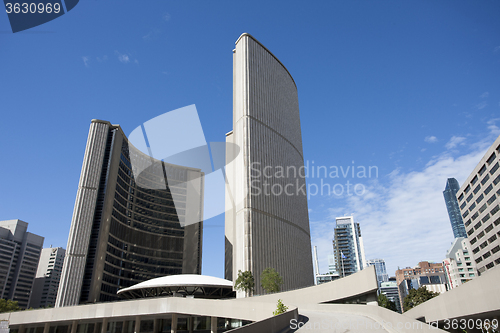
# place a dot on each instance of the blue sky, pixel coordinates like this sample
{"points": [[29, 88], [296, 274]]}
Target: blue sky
{"points": [[409, 87]]}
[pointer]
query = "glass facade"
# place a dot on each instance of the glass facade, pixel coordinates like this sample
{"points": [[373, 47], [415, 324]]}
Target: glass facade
{"points": [[380, 270], [450, 197], [348, 247]]}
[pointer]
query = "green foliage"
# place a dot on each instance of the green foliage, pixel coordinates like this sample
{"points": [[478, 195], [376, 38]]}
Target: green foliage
{"points": [[8, 306], [281, 308], [416, 297], [384, 302], [270, 280], [245, 282]]}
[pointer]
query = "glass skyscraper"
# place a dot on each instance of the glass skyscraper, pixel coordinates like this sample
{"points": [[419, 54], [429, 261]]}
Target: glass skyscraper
{"points": [[450, 197], [380, 270], [348, 246]]}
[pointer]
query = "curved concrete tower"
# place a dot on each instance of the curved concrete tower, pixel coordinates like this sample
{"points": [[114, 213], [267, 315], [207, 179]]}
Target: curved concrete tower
{"points": [[267, 223]]}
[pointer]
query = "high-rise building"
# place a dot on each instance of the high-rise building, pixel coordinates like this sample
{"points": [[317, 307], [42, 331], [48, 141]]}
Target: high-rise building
{"points": [[459, 267], [479, 200], [450, 198], [391, 291], [19, 255], [425, 274], [380, 270], [125, 227], [267, 223], [348, 246], [47, 278]]}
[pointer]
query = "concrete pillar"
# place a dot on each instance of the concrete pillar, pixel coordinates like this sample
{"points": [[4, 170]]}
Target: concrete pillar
{"points": [[173, 328], [74, 325], [155, 325], [104, 327], [213, 328], [137, 328], [190, 324], [46, 328]]}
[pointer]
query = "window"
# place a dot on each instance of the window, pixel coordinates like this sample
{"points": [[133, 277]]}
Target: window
{"points": [[467, 189], [474, 180], [482, 170], [464, 215], [461, 197], [473, 241], [487, 255], [488, 189], [494, 210], [483, 207], [478, 187], [486, 218], [492, 238], [478, 260], [467, 258], [480, 235], [476, 250], [470, 232], [473, 217], [462, 275], [488, 228], [472, 275], [490, 265], [463, 205], [467, 223], [483, 245], [497, 221], [460, 269], [485, 179], [469, 198], [495, 168], [496, 180], [495, 249], [467, 263], [472, 206], [477, 225], [479, 198], [491, 158], [459, 264]]}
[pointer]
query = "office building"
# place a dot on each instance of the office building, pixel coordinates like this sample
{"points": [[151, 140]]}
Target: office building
{"points": [[127, 224], [425, 274], [391, 291], [459, 267], [479, 200], [348, 246], [19, 255], [450, 198], [47, 278], [267, 223], [380, 270]]}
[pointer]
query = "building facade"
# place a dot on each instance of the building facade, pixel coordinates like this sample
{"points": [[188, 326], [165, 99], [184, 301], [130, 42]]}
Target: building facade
{"points": [[391, 291], [126, 225], [479, 200], [380, 270], [19, 255], [459, 267], [47, 278], [450, 198], [348, 246], [266, 227], [427, 274]]}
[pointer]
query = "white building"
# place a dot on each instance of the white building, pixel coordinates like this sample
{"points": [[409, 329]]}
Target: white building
{"points": [[47, 278], [348, 246], [458, 265]]}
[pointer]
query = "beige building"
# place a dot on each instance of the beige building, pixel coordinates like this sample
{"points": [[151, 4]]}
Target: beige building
{"points": [[267, 222], [480, 205], [458, 265]]}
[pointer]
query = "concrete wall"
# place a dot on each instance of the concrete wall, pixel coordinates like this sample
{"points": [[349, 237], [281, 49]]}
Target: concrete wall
{"points": [[269, 230], [481, 295]]}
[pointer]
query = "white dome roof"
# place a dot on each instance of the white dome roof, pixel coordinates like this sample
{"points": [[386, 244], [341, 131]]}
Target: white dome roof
{"points": [[185, 280]]}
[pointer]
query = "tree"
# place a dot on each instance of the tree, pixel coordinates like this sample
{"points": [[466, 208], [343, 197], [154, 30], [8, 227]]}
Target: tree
{"points": [[416, 297], [245, 282], [8, 305], [281, 308], [270, 280], [384, 302]]}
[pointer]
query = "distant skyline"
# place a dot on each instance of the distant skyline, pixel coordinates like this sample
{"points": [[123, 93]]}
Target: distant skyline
{"points": [[410, 88]]}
